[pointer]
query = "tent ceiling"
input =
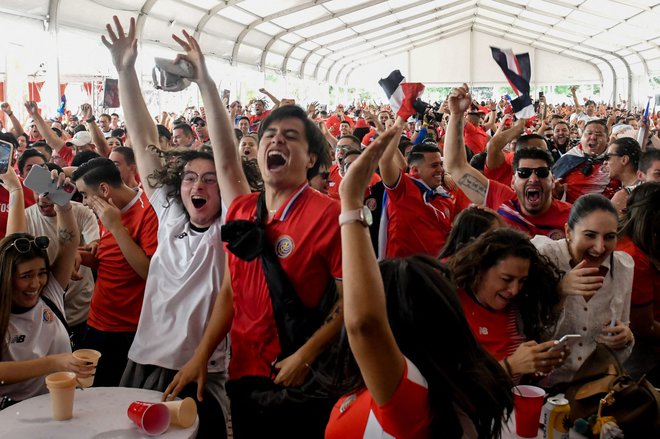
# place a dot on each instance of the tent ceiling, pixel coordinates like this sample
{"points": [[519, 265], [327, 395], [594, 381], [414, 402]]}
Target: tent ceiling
{"points": [[323, 38]]}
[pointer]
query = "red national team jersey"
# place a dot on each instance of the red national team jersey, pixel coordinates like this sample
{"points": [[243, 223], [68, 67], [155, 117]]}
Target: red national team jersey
{"points": [[66, 153], [416, 226], [406, 415], [334, 179], [496, 331], [28, 197], [475, 138], [306, 237], [646, 279], [578, 184], [504, 200], [119, 290], [503, 173], [255, 120]]}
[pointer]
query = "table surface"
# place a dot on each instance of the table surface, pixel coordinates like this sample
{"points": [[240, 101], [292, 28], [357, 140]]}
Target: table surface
{"points": [[98, 413]]}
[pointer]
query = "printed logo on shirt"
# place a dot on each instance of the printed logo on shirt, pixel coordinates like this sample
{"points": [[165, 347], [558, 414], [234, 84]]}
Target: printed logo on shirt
{"points": [[556, 234], [18, 339], [331, 184], [284, 246], [483, 330], [47, 315], [371, 204]]}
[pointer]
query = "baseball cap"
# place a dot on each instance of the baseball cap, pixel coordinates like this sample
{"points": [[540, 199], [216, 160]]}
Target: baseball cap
{"points": [[81, 138]]}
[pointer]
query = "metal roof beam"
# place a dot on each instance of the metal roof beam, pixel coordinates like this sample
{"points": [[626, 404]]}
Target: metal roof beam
{"points": [[210, 13]]}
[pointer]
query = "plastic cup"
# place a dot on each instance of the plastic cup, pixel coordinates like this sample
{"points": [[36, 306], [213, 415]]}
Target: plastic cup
{"points": [[62, 387], [152, 418], [91, 356], [528, 402], [183, 412]]}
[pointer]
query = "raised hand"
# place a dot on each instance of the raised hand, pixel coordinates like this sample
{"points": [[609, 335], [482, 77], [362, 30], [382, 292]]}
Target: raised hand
{"points": [[193, 55], [122, 47], [581, 281], [459, 100], [32, 108], [6, 107], [86, 111]]}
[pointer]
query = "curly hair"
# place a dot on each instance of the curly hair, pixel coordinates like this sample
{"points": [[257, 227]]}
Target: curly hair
{"points": [[174, 162], [538, 298]]}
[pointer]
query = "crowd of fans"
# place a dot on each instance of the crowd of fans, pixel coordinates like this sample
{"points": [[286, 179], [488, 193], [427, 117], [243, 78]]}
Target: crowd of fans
{"points": [[231, 254]]}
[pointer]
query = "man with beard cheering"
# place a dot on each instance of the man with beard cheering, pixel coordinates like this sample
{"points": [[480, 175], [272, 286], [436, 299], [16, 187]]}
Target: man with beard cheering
{"points": [[528, 204]]}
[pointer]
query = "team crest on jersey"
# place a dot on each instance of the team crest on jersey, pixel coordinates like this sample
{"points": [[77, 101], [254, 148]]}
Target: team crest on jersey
{"points": [[556, 234], [483, 330], [284, 246], [371, 204], [47, 315]]}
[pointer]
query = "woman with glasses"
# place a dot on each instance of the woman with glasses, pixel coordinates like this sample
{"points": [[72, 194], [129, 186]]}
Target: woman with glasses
{"points": [[170, 352], [596, 286], [33, 336]]}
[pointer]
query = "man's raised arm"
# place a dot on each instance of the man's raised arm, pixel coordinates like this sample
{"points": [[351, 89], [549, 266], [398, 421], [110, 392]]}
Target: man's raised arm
{"points": [[471, 181], [495, 157]]}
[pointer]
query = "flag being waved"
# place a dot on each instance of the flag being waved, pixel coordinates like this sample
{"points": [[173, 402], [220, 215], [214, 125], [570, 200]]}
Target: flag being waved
{"points": [[518, 70], [403, 96]]}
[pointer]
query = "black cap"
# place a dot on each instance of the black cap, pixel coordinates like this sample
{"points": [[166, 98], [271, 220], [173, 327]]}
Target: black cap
{"points": [[164, 132]]}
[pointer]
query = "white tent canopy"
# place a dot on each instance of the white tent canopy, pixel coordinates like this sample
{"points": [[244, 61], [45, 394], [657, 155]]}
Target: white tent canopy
{"points": [[614, 42]]}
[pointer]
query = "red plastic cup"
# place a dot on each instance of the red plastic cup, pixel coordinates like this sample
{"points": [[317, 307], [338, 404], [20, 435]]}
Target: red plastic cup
{"points": [[152, 418], [528, 402]]}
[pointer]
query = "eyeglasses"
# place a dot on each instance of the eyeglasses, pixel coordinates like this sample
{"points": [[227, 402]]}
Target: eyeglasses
{"points": [[191, 177], [527, 172], [22, 245], [324, 175], [200, 124]]}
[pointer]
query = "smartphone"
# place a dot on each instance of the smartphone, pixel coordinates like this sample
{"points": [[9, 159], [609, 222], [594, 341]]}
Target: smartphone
{"points": [[566, 339], [225, 95], [6, 153], [39, 180]]}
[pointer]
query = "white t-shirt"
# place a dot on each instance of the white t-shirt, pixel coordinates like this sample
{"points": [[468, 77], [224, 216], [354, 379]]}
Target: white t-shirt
{"points": [[79, 293], [35, 334], [184, 280]]}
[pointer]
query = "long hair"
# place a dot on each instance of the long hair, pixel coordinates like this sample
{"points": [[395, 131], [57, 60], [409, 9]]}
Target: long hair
{"points": [[641, 221], [467, 226], [431, 330], [174, 162], [539, 294], [10, 258]]}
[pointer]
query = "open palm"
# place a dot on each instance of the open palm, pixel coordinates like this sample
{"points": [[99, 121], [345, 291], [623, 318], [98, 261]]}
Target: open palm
{"points": [[122, 47]]}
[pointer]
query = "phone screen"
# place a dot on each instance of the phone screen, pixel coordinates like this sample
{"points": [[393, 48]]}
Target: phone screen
{"points": [[6, 149]]}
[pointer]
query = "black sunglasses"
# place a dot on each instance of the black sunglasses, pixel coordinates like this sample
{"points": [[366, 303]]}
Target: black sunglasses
{"points": [[23, 244], [527, 172], [199, 124]]}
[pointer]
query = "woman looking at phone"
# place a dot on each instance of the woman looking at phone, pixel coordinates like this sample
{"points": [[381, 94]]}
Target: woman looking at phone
{"points": [[509, 293], [596, 287], [34, 341]]}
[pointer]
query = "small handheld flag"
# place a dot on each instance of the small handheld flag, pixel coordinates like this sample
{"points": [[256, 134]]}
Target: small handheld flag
{"points": [[403, 96], [518, 70]]}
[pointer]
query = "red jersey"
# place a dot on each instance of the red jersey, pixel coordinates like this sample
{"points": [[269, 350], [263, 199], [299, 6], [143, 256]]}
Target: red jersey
{"points": [[504, 200], [578, 184], [503, 173], [117, 299], [496, 331], [333, 123], [28, 198], [66, 153], [334, 179], [418, 222], [406, 415], [475, 138], [255, 120], [646, 279], [306, 237]]}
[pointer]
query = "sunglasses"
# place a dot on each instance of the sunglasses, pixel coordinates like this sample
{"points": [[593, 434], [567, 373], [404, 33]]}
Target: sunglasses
{"points": [[200, 124], [22, 245], [527, 172]]}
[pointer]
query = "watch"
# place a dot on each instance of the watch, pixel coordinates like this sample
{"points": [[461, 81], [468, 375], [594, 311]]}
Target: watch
{"points": [[363, 215], [91, 119]]}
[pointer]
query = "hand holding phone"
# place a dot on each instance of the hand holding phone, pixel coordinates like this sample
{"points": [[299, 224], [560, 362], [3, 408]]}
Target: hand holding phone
{"points": [[44, 183], [566, 341]]}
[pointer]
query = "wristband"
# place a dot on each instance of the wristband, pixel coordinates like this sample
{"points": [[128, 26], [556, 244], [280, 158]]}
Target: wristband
{"points": [[91, 119]]}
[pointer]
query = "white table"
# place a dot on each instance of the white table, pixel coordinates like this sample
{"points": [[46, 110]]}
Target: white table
{"points": [[98, 413]]}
